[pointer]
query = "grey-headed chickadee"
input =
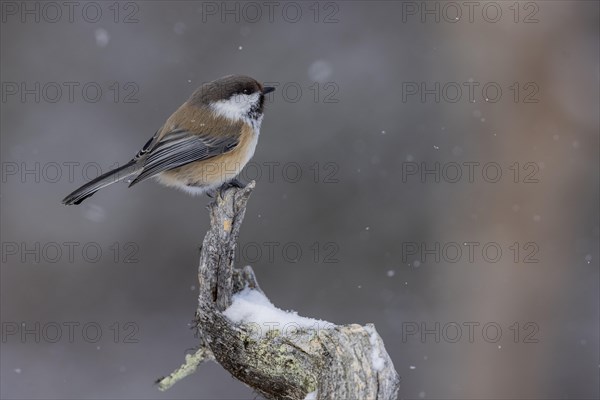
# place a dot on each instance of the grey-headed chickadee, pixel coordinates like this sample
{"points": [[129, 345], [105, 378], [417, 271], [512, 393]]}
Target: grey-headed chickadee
{"points": [[204, 144]]}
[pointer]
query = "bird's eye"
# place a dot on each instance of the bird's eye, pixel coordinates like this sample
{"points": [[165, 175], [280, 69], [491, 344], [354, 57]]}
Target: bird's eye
{"points": [[246, 91]]}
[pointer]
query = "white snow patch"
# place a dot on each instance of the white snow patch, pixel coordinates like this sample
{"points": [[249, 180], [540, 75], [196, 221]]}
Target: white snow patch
{"points": [[312, 395], [252, 307], [377, 360]]}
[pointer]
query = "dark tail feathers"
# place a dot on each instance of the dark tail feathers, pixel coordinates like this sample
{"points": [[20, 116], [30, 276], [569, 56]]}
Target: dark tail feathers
{"points": [[116, 175]]}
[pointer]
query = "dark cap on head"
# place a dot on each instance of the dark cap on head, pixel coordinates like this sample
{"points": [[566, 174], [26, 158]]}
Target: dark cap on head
{"points": [[227, 86]]}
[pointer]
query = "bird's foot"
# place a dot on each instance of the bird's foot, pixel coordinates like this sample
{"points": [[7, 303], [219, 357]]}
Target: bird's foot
{"points": [[235, 183]]}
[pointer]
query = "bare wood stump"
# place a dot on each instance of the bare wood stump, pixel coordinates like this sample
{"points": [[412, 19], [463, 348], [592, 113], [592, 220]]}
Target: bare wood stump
{"points": [[336, 362]]}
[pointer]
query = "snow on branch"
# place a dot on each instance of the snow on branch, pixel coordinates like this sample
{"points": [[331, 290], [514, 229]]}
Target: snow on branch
{"points": [[277, 353]]}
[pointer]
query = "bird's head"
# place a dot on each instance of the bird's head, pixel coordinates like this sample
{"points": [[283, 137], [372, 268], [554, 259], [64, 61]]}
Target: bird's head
{"points": [[234, 96]]}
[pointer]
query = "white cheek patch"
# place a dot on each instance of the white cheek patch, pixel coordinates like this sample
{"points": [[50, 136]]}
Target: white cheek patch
{"points": [[236, 107]]}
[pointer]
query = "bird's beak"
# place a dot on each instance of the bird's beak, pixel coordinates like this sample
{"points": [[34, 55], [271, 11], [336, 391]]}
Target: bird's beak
{"points": [[268, 89]]}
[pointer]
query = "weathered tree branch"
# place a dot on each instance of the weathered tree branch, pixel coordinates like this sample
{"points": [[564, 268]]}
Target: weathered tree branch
{"points": [[331, 362]]}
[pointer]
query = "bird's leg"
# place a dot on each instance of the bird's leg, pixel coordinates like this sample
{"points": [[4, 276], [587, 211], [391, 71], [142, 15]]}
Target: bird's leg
{"points": [[231, 183]]}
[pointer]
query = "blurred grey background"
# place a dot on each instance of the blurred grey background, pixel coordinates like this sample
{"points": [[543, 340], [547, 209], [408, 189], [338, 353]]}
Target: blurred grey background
{"points": [[354, 114]]}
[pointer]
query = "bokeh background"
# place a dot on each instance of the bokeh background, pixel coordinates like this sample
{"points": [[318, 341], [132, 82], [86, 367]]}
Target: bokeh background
{"points": [[345, 118]]}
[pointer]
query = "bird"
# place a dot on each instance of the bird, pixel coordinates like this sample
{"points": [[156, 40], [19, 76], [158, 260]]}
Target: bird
{"points": [[202, 146]]}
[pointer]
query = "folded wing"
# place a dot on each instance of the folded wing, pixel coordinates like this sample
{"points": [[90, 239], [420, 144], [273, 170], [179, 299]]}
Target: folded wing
{"points": [[179, 148]]}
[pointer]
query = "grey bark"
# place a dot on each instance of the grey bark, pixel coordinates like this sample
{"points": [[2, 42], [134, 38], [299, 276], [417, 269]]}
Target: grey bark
{"points": [[339, 362]]}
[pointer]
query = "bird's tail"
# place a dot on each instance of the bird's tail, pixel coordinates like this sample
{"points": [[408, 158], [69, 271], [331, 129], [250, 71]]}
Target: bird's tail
{"points": [[113, 176]]}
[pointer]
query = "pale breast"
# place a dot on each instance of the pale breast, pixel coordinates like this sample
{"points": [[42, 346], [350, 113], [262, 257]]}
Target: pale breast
{"points": [[217, 170]]}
